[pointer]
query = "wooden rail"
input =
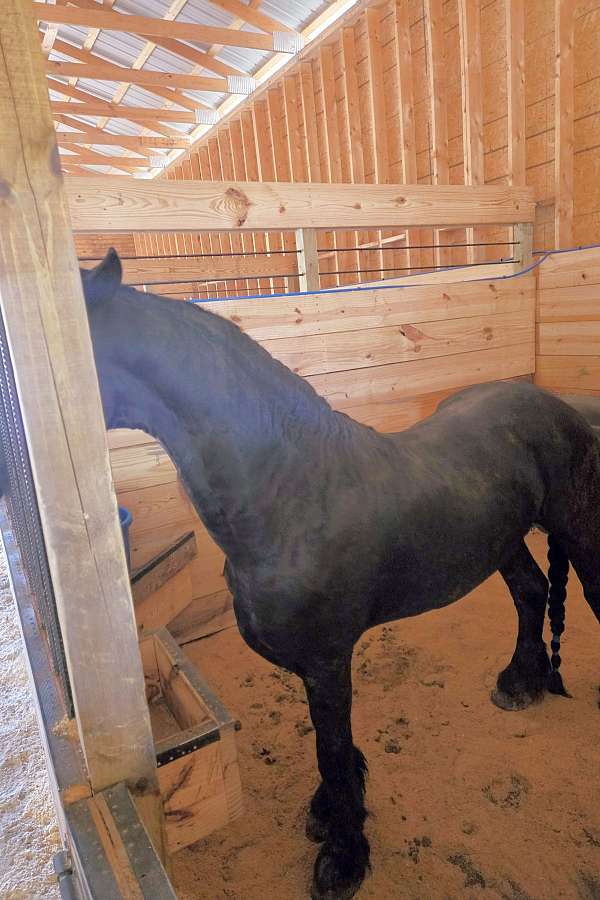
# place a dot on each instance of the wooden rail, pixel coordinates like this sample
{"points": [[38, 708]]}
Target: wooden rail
{"points": [[110, 204]]}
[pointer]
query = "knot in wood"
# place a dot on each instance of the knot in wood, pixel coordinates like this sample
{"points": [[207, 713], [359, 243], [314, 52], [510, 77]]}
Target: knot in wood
{"points": [[236, 204]]}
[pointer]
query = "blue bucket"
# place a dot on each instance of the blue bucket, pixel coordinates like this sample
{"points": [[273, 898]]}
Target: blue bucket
{"points": [[125, 519]]}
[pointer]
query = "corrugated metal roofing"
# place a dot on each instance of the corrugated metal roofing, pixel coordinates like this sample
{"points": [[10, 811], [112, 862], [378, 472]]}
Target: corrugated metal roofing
{"points": [[123, 49]]}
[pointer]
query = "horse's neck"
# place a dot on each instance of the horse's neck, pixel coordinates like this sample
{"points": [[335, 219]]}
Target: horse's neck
{"points": [[243, 432]]}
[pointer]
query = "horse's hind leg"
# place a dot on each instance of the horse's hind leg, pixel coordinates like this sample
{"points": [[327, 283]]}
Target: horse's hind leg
{"points": [[525, 678], [344, 857]]}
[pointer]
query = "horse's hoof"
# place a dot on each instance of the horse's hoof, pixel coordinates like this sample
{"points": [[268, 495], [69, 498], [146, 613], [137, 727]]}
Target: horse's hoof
{"points": [[339, 875], [512, 702], [316, 830]]}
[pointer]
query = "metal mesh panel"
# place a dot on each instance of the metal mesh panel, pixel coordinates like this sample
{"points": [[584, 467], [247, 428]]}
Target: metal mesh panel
{"points": [[24, 515]]}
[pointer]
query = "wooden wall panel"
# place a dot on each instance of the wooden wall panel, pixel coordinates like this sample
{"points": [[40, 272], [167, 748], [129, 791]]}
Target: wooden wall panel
{"points": [[568, 322]]}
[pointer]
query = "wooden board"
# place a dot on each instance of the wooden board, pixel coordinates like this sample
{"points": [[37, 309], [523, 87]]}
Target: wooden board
{"points": [[99, 203], [48, 334]]}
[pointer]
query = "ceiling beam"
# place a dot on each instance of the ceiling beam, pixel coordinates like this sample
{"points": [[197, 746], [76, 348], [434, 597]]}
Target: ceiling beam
{"points": [[185, 51], [283, 42], [252, 16], [115, 111], [132, 141], [101, 71]]}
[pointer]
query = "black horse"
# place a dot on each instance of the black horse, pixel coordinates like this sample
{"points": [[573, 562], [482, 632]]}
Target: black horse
{"points": [[330, 528]]}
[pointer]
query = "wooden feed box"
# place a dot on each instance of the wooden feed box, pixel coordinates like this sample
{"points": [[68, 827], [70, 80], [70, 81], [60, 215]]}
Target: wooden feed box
{"points": [[194, 736]]}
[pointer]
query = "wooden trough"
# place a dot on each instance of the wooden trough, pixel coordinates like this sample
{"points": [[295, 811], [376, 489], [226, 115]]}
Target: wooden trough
{"points": [[198, 773]]}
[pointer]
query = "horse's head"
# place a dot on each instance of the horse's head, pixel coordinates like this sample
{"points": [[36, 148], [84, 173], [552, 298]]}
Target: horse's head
{"points": [[102, 283], [101, 286]]}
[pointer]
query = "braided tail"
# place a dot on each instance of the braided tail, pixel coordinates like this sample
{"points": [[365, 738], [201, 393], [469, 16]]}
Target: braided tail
{"points": [[558, 575]]}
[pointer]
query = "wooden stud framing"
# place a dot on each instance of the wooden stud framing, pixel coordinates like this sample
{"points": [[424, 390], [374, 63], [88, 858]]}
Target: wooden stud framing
{"points": [[564, 101], [405, 112], [469, 19], [46, 325], [436, 70], [515, 42], [146, 26]]}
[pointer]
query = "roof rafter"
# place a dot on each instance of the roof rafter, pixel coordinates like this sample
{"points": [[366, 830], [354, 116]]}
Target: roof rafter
{"points": [[284, 42], [101, 71]]}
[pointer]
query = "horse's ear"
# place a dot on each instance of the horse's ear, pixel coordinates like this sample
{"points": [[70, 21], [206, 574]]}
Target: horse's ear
{"points": [[102, 282]]}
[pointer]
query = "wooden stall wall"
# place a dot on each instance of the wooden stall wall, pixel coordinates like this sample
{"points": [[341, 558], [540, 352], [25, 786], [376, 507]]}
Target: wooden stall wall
{"points": [[385, 356], [568, 322], [427, 91]]}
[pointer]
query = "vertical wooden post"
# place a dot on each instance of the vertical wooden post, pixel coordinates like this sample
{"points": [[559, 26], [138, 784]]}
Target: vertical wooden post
{"points": [[523, 234], [308, 259], [469, 16], [436, 66], [406, 115], [46, 324], [564, 101], [515, 73]]}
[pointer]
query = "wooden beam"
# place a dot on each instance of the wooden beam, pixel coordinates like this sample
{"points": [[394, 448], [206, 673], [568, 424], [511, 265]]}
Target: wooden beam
{"points": [[515, 40], [89, 157], [105, 205], [197, 57], [148, 27], [40, 297], [330, 136], [436, 73], [308, 259], [158, 88], [107, 72], [252, 16], [405, 112], [376, 124], [250, 148], [564, 139], [116, 111], [469, 27], [86, 135]]}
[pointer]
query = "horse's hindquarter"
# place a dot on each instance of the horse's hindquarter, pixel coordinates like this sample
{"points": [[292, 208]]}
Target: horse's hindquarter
{"points": [[473, 479]]}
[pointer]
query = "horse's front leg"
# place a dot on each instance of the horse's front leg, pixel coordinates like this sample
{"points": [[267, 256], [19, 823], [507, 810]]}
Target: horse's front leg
{"points": [[344, 857]]}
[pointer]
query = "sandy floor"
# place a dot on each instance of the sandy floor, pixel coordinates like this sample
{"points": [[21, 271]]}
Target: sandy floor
{"points": [[28, 833], [466, 801]]}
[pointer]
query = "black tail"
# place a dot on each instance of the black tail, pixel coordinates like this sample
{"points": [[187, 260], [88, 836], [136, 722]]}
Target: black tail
{"points": [[558, 575]]}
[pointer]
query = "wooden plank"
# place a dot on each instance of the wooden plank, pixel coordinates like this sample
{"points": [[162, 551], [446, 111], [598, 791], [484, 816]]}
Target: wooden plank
{"points": [[436, 71], [253, 16], [405, 116], [365, 349], [41, 300], [564, 103], [204, 615], [157, 610], [566, 304], [121, 111], [569, 374], [102, 204], [575, 338], [570, 269], [345, 390], [469, 17], [148, 27], [309, 115], [515, 39], [331, 142], [250, 148], [99, 138], [101, 71], [308, 259], [375, 126], [158, 571], [358, 310], [67, 775]]}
